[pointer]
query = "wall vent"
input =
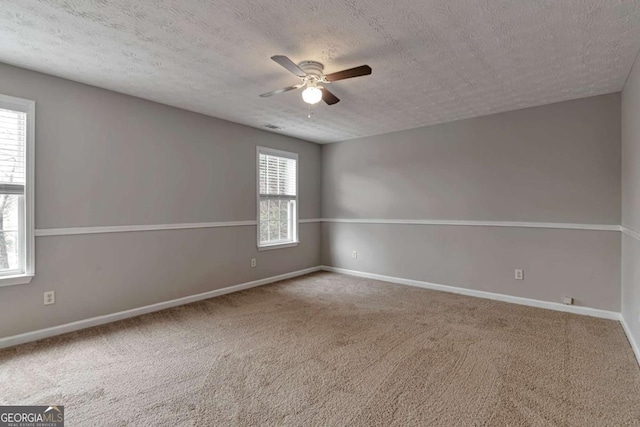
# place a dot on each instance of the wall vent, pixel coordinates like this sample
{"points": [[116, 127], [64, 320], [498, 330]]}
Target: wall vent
{"points": [[270, 126]]}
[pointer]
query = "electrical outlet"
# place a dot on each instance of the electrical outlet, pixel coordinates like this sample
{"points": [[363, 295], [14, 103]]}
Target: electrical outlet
{"points": [[519, 274], [253, 262], [354, 254], [567, 300], [49, 297]]}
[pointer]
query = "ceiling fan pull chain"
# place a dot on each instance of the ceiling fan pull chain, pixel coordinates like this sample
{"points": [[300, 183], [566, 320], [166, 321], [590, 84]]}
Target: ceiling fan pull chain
{"points": [[310, 112]]}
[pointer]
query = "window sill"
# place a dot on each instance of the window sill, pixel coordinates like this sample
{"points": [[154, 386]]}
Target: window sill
{"points": [[278, 246], [15, 280]]}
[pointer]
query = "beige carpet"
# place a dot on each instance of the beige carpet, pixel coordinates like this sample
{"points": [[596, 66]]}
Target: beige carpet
{"points": [[328, 349]]}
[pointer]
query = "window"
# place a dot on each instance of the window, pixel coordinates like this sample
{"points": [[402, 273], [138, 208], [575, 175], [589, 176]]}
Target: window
{"points": [[16, 190], [277, 198]]}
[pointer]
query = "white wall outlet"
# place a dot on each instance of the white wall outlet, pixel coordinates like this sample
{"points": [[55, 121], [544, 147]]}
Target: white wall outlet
{"points": [[519, 274], [567, 300], [253, 262], [354, 254], [49, 297]]}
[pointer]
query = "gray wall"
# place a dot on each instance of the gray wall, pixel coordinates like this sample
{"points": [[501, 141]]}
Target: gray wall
{"points": [[104, 158], [631, 201], [557, 163]]}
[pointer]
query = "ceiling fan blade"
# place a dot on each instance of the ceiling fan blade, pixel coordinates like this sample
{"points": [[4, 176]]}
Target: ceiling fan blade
{"points": [[286, 89], [289, 65], [328, 97], [363, 70]]}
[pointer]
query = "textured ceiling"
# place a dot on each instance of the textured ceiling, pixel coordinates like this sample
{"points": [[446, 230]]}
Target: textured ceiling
{"points": [[433, 61]]}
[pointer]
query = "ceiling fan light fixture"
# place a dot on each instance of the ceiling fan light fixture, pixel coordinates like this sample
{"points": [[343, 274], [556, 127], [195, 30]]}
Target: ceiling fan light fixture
{"points": [[311, 74], [312, 95]]}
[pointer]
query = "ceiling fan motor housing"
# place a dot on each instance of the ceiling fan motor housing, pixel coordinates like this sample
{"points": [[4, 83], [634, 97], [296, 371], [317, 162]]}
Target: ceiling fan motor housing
{"points": [[312, 68]]}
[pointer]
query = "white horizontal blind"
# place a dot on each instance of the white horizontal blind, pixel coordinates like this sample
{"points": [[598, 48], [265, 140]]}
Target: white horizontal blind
{"points": [[277, 176], [13, 137]]}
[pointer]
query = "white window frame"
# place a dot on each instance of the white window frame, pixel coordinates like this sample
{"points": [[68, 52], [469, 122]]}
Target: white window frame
{"points": [[289, 155], [27, 256]]}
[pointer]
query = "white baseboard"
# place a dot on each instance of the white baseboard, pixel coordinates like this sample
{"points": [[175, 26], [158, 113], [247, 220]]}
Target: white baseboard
{"points": [[586, 311], [632, 341], [100, 320]]}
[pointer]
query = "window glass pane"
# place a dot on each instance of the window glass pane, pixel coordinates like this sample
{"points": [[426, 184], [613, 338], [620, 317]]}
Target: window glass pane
{"points": [[284, 229], [264, 221], [275, 232], [9, 223], [275, 220]]}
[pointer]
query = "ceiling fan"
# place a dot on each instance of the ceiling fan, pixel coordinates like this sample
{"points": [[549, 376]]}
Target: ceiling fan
{"points": [[312, 76]]}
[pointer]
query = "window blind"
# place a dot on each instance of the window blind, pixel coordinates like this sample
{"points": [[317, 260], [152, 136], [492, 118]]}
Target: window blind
{"points": [[277, 177], [13, 136]]}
